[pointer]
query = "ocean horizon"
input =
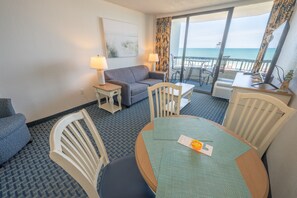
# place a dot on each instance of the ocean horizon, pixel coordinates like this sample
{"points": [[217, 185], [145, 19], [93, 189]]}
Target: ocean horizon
{"points": [[240, 53]]}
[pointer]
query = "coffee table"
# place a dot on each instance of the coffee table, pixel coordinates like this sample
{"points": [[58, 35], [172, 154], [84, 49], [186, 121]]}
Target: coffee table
{"points": [[187, 90]]}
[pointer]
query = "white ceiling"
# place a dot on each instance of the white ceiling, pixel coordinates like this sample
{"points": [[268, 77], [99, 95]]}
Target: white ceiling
{"points": [[161, 7]]}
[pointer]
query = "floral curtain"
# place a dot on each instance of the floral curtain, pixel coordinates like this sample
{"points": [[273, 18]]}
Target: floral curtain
{"points": [[163, 44], [281, 12]]}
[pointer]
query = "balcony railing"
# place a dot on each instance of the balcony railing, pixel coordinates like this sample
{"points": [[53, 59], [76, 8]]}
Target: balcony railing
{"points": [[231, 64]]}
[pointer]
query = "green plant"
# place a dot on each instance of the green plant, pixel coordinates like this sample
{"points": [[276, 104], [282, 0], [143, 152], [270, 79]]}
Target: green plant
{"points": [[289, 75]]}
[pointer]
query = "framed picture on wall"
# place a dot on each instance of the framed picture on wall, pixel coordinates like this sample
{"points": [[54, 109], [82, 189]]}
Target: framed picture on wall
{"points": [[121, 38]]}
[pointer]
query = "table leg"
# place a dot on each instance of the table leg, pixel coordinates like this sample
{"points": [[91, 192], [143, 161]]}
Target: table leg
{"points": [[120, 100], [98, 98], [111, 103], [190, 95]]}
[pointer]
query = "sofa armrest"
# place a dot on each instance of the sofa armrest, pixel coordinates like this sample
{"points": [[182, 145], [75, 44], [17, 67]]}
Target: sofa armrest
{"points": [[158, 75], [6, 108], [11, 123], [125, 91]]}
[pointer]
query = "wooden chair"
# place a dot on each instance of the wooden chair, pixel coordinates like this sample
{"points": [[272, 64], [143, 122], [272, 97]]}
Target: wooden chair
{"points": [[72, 149], [257, 118], [167, 99]]}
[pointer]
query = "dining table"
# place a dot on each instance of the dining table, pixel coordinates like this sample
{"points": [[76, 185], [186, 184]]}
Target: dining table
{"points": [[233, 159]]}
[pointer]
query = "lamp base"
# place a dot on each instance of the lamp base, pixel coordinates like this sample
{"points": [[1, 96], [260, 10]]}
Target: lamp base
{"points": [[154, 67], [101, 78]]}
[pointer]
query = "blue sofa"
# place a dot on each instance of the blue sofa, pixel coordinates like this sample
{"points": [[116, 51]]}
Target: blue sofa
{"points": [[14, 133], [134, 81]]}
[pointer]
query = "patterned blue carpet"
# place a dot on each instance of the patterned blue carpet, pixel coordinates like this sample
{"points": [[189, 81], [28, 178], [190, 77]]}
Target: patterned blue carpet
{"points": [[31, 173]]}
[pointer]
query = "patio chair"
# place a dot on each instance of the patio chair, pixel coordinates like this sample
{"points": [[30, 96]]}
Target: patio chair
{"points": [[195, 74], [72, 149], [196, 70], [175, 70], [257, 118], [210, 71]]}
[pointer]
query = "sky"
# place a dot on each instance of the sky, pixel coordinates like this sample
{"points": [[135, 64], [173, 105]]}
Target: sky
{"points": [[245, 32]]}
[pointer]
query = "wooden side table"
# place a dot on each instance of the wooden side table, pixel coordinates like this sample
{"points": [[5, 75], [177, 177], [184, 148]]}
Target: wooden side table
{"points": [[108, 91]]}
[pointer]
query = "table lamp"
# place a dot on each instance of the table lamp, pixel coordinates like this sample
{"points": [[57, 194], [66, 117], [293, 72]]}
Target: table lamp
{"points": [[99, 63], [153, 57]]}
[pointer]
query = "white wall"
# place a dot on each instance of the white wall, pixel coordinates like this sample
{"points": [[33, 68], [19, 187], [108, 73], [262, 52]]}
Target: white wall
{"points": [[45, 48], [282, 154]]}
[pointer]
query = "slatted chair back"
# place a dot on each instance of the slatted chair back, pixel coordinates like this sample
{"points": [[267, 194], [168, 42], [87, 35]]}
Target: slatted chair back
{"points": [[257, 118], [164, 99], [72, 149]]}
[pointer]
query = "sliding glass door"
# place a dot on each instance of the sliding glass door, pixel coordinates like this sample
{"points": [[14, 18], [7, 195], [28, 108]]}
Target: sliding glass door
{"points": [[204, 41], [215, 45], [196, 43], [244, 39]]}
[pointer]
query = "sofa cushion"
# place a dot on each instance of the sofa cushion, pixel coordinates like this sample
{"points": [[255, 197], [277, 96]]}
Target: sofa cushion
{"points": [[140, 72], [150, 81], [137, 88], [139, 97], [122, 74]]}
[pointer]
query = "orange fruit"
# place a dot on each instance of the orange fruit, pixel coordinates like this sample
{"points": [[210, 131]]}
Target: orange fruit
{"points": [[196, 145]]}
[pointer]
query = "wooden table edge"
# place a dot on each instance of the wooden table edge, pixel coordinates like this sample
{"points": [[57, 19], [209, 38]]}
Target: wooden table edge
{"points": [[150, 183], [241, 160], [112, 87]]}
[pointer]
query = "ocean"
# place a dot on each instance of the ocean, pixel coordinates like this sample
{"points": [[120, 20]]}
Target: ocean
{"points": [[240, 53]]}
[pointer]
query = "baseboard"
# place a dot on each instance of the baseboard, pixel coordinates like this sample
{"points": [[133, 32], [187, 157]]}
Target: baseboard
{"points": [[42, 120]]}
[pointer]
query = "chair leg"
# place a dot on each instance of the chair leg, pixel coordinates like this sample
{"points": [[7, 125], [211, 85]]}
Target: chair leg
{"points": [[173, 77], [201, 81], [207, 80]]}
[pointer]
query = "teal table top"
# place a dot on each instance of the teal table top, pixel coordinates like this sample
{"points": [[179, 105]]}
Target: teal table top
{"points": [[183, 172]]}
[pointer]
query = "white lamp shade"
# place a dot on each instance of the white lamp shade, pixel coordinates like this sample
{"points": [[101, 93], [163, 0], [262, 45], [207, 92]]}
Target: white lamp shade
{"points": [[98, 62], [153, 57]]}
